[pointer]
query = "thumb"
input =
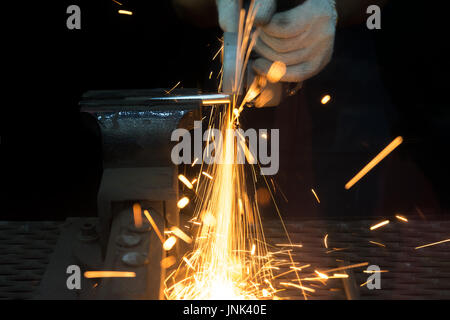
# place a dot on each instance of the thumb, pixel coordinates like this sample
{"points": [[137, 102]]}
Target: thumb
{"points": [[264, 11]]}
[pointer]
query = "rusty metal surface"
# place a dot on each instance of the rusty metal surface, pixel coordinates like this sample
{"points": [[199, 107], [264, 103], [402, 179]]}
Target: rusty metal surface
{"points": [[411, 273], [25, 250]]}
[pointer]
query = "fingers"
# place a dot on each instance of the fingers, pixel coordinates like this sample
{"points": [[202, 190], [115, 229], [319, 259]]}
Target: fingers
{"points": [[317, 49], [312, 64], [291, 23], [264, 11]]}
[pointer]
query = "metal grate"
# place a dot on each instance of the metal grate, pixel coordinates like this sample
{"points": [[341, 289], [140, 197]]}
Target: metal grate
{"points": [[25, 250]]}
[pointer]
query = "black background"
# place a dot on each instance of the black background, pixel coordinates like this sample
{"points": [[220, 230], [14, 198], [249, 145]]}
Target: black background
{"points": [[52, 163]]}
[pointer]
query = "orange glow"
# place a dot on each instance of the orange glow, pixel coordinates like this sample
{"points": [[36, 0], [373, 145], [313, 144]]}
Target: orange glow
{"points": [[180, 234], [137, 215], [315, 195], [276, 71], [432, 244], [394, 144], [154, 226], [125, 12], [186, 182], [183, 202], [399, 217], [379, 225], [169, 243], [109, 274], [325, 99]]}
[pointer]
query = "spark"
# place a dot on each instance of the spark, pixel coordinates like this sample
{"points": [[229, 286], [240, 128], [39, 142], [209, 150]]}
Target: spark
{"points": [[340, 275], [315, 195], [195, 161], [180, 234], [363, 264], [432, 244], [154, 226], [386, 151], [289, 245], [109, 274], [125, 12], [321, 275], [399, 217], [207, 175], [186, 182], [377, 243], [137, 215], [173, 88], [168, 262], [297, 286], [183, 202], [325, 99], [264, 136], [169, 243], [379, 225], [117, 2], [325, 241], [253, 250], [375, 271]]}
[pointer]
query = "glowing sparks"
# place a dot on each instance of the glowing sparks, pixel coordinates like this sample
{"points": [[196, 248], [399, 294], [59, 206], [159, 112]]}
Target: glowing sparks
{"points": [[173, 88], [401, 218], [253, 250], [297, 286], [169, 243], [325, 241], [195, 161], [315, 195], [137, 215], [168, 262], [109, 274], [180, 234], [340, 275], [432, 244], [378, 244], [379, 225], [185, 181], [207, 175], [325, 99], [183, 202], [126, 12], [385, 152], [154, 226], [321, 275]]}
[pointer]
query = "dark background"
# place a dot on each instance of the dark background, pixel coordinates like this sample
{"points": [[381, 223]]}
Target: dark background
{"points": [[383, 83]]}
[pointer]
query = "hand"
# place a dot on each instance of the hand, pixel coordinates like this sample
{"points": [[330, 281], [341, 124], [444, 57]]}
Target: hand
{"points": [[228, 11], [302, 38]]}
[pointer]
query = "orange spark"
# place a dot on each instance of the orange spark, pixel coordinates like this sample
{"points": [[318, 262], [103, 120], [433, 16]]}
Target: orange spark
{"points": [[325, 241], [394, 144], [137, 215], [399, 217], [125, 12], [325, 99], [168, 262], [180, 234], [186, 182], [378, 244], [432, 244], [315, 195], [276, 71], [154, 226], [182, 202], [169, 243], [109, 274], [207, 175], [379, 225]]}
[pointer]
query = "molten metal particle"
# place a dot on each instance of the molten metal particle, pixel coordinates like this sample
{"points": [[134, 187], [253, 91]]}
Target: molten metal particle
{"points": [[182, 202], [109, 274], [379, 225], [394, 144]]}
